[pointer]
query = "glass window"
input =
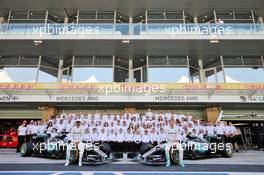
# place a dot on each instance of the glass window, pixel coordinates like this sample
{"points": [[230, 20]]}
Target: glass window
{"points": [[168, 75], [45, 77], [156, 15], [18, 74], [244, 75], [91, 74]]}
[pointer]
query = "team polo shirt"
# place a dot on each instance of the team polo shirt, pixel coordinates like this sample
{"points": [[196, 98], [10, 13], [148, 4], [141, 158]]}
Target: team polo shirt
{"points": [[22, 130]]}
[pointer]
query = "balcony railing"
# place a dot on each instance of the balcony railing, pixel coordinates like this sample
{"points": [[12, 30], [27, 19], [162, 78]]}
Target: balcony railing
{"points": [[130, 30]]}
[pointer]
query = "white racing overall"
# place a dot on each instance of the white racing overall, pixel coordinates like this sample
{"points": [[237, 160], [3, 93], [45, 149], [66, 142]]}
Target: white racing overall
{"points": [[76, 136], [172, 134]]}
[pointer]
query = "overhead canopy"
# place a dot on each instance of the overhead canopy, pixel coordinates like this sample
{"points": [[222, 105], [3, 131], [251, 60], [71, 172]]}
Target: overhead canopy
{"points": [[133, 7]]}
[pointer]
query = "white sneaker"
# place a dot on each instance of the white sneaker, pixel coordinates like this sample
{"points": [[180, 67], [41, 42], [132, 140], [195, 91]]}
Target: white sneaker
{"points": [[80, 164], [66, 164]]}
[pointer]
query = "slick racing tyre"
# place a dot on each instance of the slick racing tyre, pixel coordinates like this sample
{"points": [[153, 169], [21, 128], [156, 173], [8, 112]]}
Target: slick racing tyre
{"points": [[174, 155], [73, 157], [26, 149], [228, 150]]}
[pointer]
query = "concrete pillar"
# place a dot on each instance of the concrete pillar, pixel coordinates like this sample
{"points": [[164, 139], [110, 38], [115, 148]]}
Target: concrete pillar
{"points": [[201, 71], [130, 70], [195, 20], [60, 71], [212, 113], [2, 20], [261, 20], [131, 26], [66, 20]]}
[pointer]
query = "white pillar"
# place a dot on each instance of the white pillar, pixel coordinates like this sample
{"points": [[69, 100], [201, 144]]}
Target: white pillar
{"points": [[195, 20], [130, 70], [131, 26], [60, 71], [201, 71], [2, 20], [261, 20]]}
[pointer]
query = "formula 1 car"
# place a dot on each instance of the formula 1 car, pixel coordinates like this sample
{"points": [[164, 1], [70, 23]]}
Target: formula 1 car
{"points": [[196, 147], [42, 145], [94, 153], [156, 154], [56, 147]]}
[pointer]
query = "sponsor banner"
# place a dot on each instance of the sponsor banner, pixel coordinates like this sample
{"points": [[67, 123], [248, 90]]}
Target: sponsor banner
{"points": [[131, 87], [132, 98]]}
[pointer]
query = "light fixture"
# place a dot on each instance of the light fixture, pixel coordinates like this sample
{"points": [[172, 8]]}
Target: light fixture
{"points": [[214, 41], [37, 42], [125, 41]]}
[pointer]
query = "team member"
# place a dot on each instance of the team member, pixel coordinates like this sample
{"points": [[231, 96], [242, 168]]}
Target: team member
{"points": [[146, 137], [120, 138], [172, 135], [76, 135], [29, 129], [35, 128], [21, 132], [129, 136], [233, 132], [103, 135]]}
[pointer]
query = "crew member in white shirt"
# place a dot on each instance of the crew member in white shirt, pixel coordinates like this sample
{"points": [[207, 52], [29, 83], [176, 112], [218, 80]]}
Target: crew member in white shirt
{"points": [[129, 136], [21, 132], [145, 137], [120, 137], [210, 130], [94, 135], [103, 135], [219, 130], [153, 136], [60, 126], [29, 128], [35, 128]]}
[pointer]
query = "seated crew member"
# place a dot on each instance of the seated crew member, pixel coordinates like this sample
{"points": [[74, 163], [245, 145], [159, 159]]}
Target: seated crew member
{"points": [[76, 135], [129, 136], [172, 135], [153, 136], [146, 137], [161, 136], [87, 137], [120, 138], [137, 138], [102, 135], [94, 135]]}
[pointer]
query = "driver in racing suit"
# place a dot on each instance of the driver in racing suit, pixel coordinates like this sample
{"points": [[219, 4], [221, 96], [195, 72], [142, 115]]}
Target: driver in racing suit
{"points": [[76, 136], [172, 139]]}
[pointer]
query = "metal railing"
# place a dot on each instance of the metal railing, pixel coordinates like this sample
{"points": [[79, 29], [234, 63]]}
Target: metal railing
{"points": [[158, 29]]}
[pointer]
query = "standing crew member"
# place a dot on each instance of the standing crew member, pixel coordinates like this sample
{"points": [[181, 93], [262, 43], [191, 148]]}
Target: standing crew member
{"points": [[76, 136], [21, 132]]}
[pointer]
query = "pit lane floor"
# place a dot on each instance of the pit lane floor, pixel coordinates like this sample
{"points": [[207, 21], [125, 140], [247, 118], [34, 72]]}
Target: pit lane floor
{"points": [[244, 161]]}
